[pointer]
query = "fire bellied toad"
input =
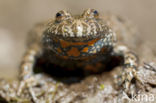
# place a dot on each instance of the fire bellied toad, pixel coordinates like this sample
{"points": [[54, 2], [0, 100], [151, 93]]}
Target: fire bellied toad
{"points": [[84, 41]]}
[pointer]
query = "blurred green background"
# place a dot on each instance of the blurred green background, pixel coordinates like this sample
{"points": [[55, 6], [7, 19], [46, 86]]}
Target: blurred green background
{"points": [[17, 17]]}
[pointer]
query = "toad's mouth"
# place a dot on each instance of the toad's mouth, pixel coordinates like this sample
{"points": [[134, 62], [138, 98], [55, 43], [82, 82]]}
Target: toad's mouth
{"points": [[83, 38]]}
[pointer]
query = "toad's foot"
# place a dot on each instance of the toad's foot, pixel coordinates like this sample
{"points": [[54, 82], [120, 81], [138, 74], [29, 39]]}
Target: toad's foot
{"points": [[26, 74], [130, 65], [124, 79]]}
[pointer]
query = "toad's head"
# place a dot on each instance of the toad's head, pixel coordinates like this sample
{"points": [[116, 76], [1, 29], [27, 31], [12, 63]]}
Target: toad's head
{"points": [[77, 36]]}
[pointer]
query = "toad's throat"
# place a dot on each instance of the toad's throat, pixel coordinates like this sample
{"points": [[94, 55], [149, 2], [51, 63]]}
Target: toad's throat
{"points": [[79, 50]]}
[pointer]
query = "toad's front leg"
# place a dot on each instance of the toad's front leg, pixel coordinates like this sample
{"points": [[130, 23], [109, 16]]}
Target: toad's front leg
{"points": [[130, 65], [26, 67]]}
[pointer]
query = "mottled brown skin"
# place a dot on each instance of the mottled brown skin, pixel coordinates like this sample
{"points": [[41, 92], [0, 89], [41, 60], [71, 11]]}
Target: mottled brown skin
{"points": [[82, 40]]}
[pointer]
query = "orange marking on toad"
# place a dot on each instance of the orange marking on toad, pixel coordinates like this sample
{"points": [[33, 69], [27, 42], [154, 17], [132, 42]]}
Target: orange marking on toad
{"points": [[92, 42], [85, 49], [94, 68], [59, 50], [65, 44], [73, 52]]}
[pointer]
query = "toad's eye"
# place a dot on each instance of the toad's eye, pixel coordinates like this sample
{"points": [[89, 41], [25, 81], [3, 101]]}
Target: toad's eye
{"points": [[62, 15], [58, 15], [95, 12], [90, 13]]}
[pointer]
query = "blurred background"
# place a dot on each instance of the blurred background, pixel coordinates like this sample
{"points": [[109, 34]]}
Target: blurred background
{"points": [[17, 17]]}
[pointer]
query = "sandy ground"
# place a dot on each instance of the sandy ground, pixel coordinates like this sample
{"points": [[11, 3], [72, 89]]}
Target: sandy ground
{"points": [[17, 17]]}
